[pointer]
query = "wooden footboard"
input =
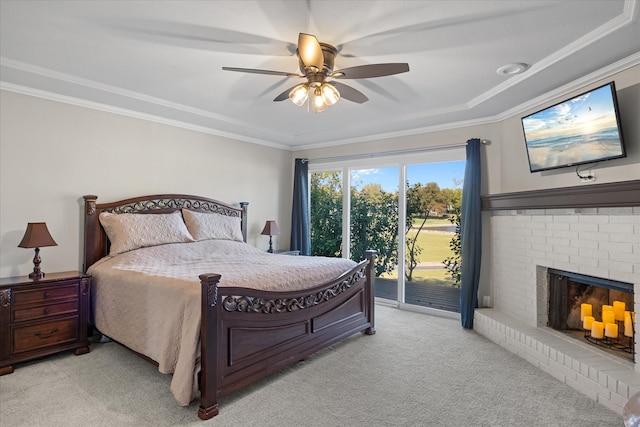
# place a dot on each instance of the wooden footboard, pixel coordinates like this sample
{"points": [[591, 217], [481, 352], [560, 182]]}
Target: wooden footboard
{"points": [[247, 334]]}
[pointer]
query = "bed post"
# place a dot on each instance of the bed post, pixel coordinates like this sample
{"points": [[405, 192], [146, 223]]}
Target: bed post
{"points": [[90, 235], [371, 298], [245, 225], [209, 347]]}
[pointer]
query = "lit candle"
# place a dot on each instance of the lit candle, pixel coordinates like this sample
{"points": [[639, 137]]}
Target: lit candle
{"points": [[618, 309], [585, 310], [587, 323], [628, 324], [597, 329], [611, 330], [608, 317]]}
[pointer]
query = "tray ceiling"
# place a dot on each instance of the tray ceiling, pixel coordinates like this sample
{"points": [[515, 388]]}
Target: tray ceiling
{"points": [[163, 61]]}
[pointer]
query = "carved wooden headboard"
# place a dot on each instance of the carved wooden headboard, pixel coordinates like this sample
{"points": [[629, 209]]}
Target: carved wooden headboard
{"points": [[96, 243]]}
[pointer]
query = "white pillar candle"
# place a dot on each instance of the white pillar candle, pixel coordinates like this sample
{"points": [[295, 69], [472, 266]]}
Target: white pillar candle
{"points": [[611, 330], [597, 330], [618, 309], [585, 310]]}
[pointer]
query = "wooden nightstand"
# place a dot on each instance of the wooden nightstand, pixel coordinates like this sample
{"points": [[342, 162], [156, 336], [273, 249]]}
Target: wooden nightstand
{"points": [[42, 317]]}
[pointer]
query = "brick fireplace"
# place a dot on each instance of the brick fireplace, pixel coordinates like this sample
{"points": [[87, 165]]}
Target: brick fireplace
{"points": [[577, 302], [548, 233]]}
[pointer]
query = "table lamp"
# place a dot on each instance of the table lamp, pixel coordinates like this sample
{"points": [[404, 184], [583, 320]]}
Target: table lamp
{"points": [[270, 229], [37, 236]]}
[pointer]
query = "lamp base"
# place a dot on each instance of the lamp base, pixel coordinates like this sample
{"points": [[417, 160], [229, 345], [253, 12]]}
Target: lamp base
{"points": [[36, 275]]}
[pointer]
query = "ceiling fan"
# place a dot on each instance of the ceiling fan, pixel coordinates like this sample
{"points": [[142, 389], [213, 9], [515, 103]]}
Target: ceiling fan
{"points": [[316, 61]]}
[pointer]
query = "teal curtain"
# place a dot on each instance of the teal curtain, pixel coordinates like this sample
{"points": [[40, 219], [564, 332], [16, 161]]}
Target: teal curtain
{"points": [[470, 234], [300, 217]]}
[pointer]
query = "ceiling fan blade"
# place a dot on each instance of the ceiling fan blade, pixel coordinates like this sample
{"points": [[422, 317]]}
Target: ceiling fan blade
{"points": [[371, 70], [284, 95], [309, 51], [258, 71], [349, 93]]}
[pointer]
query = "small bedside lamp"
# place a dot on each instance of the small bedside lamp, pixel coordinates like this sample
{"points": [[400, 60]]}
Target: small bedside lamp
{"points": [[37, 236], [270, 229]]}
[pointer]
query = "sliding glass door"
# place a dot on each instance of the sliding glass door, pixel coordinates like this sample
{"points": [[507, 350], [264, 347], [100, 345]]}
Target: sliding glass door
{"points": [[404, 208], [434, 193], [373, 218]]}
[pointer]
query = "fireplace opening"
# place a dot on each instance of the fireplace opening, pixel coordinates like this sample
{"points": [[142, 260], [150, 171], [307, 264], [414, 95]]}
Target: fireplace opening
{"points": [[596, 310]]}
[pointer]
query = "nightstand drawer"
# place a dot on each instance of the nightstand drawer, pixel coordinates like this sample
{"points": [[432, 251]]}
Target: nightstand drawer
{"points": [[31, 313], [45, 334], [46, 294]]}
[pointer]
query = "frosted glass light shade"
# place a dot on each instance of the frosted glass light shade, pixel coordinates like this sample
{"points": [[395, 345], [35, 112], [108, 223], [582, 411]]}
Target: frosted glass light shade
{"points": [[299, 94], [330, 94], [318, 104]]}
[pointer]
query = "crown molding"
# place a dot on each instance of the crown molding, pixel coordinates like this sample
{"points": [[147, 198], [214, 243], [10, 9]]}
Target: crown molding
{"points": [[78, 102]]}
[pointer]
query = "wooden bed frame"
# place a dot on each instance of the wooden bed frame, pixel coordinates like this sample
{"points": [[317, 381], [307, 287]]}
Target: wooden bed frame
{"points": [[247, 334]]}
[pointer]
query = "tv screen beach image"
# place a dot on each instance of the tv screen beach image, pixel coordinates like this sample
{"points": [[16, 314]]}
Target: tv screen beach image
{"points": [[580, 130]]}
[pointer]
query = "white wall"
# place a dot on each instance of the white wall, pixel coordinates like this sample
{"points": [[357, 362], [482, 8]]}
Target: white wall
{"points": [[51, 154]]}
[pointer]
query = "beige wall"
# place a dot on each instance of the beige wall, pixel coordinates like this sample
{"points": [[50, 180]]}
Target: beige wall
{"points": [[51, 154]]}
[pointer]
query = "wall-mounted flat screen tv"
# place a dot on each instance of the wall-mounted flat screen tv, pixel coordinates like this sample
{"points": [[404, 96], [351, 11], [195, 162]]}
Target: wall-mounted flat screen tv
{"points": [[583, 129]]}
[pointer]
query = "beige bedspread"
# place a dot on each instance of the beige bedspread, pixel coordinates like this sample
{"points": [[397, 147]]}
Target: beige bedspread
{"points": [[149, 299]]}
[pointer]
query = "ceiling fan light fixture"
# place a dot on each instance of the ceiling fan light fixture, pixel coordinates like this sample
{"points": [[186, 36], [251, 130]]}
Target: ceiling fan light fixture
{"points": [[299, 94], [316, 63], [330, 94], [317, 102]]}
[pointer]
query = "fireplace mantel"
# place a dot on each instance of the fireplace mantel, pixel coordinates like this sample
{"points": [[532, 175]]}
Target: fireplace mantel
{"points": [[615, 194]]}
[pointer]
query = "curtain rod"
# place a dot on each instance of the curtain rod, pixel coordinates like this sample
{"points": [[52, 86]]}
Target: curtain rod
{"points": [[390, 153]]}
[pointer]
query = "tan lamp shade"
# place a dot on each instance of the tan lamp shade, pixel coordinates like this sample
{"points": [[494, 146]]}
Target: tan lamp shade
{"points": [[270, 229], [37, 236]]}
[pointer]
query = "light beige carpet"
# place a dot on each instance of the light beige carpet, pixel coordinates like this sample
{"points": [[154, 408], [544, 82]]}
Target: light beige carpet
{"points": [[418, 370]]}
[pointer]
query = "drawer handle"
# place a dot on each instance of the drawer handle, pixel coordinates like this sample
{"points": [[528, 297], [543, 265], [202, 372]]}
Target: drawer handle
{"points": [[47, 294], [50, 334], [47, 310]]}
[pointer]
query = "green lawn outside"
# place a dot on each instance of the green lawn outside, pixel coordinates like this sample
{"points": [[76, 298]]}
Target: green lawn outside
{"points": [[435, 246], [432, 221], [421, 275]]}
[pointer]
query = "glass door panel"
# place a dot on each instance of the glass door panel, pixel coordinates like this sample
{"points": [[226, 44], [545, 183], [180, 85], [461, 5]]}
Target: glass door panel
{"points": [[374, 224], [325, 190], [433, 196]]}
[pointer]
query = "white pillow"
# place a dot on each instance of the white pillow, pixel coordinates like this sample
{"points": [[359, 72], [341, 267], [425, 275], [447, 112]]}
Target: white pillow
{"points": [[205, 226], [132, 231]]}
